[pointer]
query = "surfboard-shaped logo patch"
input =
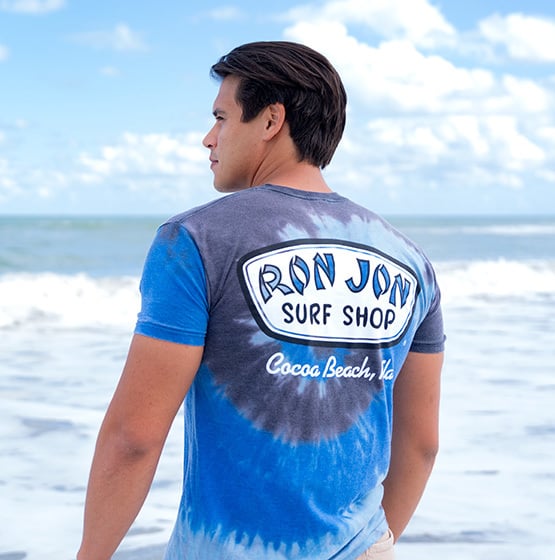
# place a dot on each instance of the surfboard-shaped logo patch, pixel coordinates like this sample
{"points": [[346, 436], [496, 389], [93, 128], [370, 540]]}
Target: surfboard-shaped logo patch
{"points": [[329, 292]]}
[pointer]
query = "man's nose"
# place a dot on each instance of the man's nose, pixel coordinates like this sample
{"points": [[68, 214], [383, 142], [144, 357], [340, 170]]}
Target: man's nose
{"points": [[209, 140]]}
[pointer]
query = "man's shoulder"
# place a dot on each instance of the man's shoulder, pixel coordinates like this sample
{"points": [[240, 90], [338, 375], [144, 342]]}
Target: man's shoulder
{"points": [[227, 203]]}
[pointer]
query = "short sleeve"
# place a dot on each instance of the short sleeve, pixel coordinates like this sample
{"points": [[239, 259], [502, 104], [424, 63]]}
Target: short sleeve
{"points": [[430, 337], [174, 301]]}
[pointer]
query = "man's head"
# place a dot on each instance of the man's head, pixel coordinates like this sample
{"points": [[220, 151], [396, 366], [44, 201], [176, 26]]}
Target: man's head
{"points": [[300, 79]]}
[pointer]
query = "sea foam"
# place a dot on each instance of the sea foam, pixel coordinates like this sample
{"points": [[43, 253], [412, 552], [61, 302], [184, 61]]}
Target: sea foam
{"points": [[81, 300], [464, 282], [68, 300]]}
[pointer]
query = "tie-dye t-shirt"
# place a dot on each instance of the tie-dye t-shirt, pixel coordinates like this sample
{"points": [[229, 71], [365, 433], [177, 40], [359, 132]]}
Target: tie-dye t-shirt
{"points": [[307, 305]]}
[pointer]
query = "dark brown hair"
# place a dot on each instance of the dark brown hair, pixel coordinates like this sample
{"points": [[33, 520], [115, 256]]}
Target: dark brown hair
{"points": [[302, 80]]}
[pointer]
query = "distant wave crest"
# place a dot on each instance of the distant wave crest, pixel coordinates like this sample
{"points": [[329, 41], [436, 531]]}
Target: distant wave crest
{"points": [[72, 301], [464, 282], [82, 301]]}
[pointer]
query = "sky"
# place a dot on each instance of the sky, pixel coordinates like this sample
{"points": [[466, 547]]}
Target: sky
{"points": [[104, 104]]}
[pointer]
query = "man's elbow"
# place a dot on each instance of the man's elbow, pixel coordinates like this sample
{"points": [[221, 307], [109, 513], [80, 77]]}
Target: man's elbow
{"points": [[131, 444], [428, 453]]}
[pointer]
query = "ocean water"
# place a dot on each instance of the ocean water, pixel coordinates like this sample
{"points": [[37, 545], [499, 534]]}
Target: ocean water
{"points": [[68, 302]]}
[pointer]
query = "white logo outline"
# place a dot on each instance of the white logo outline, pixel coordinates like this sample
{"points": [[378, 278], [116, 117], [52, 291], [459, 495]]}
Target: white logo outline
{"points": [[309, 269]]}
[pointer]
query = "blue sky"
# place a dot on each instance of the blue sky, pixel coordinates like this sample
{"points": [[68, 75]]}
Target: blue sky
{"points": [[103, 105]]}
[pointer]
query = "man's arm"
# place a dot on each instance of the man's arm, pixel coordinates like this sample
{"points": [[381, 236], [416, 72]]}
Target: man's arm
{"points": [[415, 437], [154, 382]]}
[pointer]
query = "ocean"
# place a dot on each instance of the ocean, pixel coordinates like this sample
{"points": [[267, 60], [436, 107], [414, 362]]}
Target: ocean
{"points": [[68, 303]]}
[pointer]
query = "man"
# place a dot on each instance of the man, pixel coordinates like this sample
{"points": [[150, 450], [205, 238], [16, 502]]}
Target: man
{"points": [[303, 332]]}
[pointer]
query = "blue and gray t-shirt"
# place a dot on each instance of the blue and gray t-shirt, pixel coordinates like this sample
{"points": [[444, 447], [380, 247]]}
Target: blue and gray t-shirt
{"points": [[307, 305]]}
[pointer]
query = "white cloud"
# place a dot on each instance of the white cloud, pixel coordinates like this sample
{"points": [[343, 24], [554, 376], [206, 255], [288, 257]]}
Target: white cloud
{"points": [[110, 71], [33, 183], [412, 140], [527, 95], [31, 6], [548, 134], [49, 182], [395, 73], [547, 175], [517, 150], [225, 13], [415, 20], [147, 156], [466, 131], [159, 168], [524, 37], [220, 14], [451, 151], [430, 122], [8, 184], [4, 53], [121, 38]]}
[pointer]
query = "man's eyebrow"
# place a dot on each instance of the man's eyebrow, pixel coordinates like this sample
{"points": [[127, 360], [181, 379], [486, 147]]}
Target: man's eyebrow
{"points": [[217, 112]]}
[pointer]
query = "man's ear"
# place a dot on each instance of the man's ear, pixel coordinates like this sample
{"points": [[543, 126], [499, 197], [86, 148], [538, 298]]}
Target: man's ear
{"points": [[274, 118]]}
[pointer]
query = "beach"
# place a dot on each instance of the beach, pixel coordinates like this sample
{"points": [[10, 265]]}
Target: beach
{"points": [[68, 303]]}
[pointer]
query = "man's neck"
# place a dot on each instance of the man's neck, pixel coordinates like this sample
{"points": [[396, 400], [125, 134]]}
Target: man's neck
{"points": [[298, 175]]}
